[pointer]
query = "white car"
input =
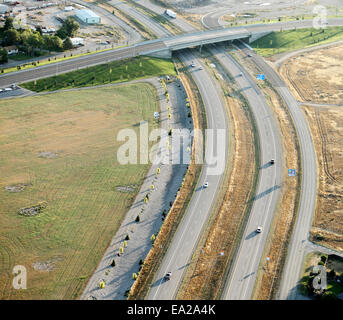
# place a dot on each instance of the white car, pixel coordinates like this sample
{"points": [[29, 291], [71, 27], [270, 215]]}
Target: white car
{"points": [[193, 65], [205, 185], [259, 229]]}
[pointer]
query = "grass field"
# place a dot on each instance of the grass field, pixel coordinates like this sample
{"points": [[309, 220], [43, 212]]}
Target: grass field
{"points": [[113, 72], [289, 40], [79, 181]]}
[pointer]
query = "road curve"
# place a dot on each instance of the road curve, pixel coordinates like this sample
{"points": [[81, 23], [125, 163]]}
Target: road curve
{"points": [[180, 252], [297, 247], [242, 278]]}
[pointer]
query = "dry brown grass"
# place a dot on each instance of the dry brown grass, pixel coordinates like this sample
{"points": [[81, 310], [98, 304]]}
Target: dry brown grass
{"points": [[316, 76], [156, 254], [327, 131], [204, 277]]}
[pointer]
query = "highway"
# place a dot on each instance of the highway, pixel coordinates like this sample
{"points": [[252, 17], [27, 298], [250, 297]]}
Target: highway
{"points": [[181, 23], [156, 28], [296, 249], [242, 277], [180, 251]]}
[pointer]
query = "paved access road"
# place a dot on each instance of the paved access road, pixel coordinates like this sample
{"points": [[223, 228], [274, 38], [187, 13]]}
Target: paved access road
{"points": [[296, 249], [243, 274], [189, 231]]}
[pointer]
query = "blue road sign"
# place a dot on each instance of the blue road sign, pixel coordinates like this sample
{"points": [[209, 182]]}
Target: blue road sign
{"points": [[291, 172], [261, 77]]}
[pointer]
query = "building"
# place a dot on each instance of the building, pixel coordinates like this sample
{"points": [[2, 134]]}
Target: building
{"points": [[76, 41], [11, 50], [87, 16], [4, 9], [69, 8]]}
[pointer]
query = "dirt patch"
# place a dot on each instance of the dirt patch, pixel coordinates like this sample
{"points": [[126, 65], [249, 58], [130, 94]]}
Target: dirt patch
{"points": [[16, 188], [326, 126], [47, 155], [316, 76], [32, 211], [46, 266], [125, 189]]}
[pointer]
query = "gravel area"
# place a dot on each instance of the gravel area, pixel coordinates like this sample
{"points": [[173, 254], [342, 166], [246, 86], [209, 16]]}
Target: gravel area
{"points": [[118, 279]]}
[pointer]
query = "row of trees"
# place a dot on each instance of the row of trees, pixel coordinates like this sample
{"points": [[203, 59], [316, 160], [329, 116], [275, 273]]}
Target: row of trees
{"points": [[29, 40]]}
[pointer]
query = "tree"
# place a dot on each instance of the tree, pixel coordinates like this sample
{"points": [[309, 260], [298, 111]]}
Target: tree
{"points": [[8, 23], [11, 37], [3, 55], [53, 43], [69, 28], [34, 41], [67, 44]]}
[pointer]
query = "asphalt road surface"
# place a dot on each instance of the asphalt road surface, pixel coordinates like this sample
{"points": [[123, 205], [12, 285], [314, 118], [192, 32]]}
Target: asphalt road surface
{"points": [[243, 274], [180, 252], [156, 28], [296, 249], [182, 24]]}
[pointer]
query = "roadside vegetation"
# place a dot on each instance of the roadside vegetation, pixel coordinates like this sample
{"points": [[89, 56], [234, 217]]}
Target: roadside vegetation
{"points": [[295, 39], [34, 43], [63, 193], [334, 275], [112, 72]]}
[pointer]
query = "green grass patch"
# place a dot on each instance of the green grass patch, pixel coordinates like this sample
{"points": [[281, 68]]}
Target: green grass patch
{"points": [[84, 207], [290, 40], [113, 72]]}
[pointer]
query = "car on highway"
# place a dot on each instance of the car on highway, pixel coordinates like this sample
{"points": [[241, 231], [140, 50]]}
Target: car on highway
{"points": [[259, 229], [167, 276], [192, 64], [240, 74], [272, 161], [205, 185]]}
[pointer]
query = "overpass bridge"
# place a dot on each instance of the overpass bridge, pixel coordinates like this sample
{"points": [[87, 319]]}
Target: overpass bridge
{"points": [[188, 40], [162, 48]]}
